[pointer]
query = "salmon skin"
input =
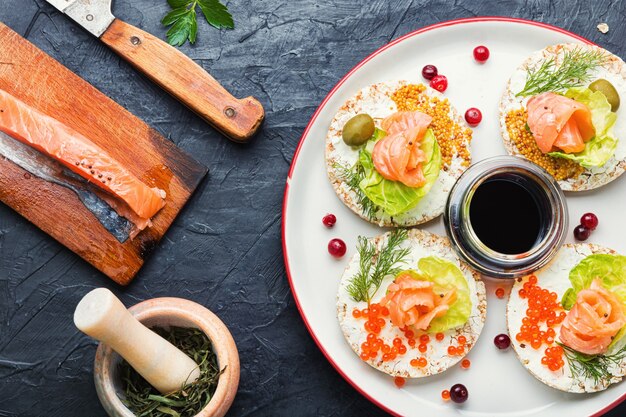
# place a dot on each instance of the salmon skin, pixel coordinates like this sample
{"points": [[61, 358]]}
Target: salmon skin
{"points": [[79, 154], [46, 168]]}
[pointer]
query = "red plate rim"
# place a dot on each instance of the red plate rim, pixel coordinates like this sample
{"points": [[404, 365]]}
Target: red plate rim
{"points": [[314, 117]]}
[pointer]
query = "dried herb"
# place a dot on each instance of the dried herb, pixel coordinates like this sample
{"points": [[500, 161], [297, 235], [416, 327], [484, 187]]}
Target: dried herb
{"points": [[375, 265], [145, 401], [183, 22], [573, 71], [594, 367]]}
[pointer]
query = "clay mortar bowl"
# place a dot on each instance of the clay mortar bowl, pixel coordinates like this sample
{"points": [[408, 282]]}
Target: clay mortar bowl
{"points": [[164, 312]]}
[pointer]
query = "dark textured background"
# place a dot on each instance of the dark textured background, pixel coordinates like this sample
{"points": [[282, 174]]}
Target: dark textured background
{"points": [[224, 251]]}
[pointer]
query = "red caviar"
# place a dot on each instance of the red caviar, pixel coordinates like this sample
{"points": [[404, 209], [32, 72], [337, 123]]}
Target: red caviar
{"points": [[424, 338], [445, 394], [422, 362], [399, 381], [374, 323], [553, 358], [439, 337], [465, 363], [500, 292], [543, 307], [462, 340]]}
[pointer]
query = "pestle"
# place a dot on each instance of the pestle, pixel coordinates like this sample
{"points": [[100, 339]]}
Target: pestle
{"points": [[101, 315]]}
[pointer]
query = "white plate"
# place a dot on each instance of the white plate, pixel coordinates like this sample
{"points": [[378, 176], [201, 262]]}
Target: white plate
{"points": [[497, 382]]}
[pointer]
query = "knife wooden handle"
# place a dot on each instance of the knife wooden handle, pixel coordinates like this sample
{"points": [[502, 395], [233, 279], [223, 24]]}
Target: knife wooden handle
{"points": [[177, 74]]}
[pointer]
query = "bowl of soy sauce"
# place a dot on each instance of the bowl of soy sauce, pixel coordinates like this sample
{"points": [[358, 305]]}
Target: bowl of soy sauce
{"points": [[506, 217]]}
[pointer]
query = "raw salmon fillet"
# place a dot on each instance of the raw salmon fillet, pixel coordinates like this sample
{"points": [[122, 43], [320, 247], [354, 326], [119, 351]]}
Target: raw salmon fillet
{"points": [[559, 122], [80, 155]]}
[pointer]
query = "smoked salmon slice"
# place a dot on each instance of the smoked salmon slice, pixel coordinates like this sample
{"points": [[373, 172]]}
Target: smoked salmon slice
{"points": [[80, 155], [413, 302], [397, 156], [593, 321], [558, 122]]}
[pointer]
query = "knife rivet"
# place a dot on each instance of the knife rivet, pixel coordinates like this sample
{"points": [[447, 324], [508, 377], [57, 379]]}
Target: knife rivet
{"points": [[135, 40], [229, 112], [89, 17]]}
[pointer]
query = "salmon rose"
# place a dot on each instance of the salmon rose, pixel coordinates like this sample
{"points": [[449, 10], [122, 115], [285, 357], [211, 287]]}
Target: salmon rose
{"points": [[412, 302], [593, 321]]}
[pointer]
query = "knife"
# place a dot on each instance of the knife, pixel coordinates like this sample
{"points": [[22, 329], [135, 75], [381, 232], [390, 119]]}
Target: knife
{"points": [[176, 73]]}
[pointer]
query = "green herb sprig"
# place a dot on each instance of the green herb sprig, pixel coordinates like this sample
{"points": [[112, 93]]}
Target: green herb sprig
{"points": [[573, 71], [594, 367], [183, 21], [144, 401], [353, 177], [375, 265]]}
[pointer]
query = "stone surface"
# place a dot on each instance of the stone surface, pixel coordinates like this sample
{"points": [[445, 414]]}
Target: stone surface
{"points": [[224, 251]]}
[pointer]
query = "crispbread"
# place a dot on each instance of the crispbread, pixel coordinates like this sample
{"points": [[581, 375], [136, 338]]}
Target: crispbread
{"points": [[614, 71], [555, 277], [376, 101], [422, 244]]}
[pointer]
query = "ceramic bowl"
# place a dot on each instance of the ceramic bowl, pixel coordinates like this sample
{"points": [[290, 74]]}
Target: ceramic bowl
{"points": [[172, 312]]}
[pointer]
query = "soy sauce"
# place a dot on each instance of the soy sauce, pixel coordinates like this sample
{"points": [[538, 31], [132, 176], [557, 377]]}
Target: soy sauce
{"points": [[505, 216]]}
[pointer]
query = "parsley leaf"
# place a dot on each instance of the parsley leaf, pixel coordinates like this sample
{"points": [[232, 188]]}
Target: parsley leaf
{"points": [[183, 19], [216, 14]]}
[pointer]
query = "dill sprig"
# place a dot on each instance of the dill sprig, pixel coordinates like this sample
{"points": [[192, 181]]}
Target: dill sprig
{"points": [[353, 177], [145, 401], [375, 265], [594, 367], [572, 72]]}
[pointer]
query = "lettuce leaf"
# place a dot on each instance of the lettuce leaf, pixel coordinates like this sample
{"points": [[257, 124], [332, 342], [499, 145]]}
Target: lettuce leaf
{"points": [[602, 146], [393, 197], [610, 269], [446, 276]]}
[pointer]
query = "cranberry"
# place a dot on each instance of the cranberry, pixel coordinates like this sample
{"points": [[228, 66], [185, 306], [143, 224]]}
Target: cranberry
{"points": [[589, 220], [329, 220], [502, 341], [581, 232], [337, 248], [473, 116], [429, 71], [481, 53], [458, 393], [439, 83]]}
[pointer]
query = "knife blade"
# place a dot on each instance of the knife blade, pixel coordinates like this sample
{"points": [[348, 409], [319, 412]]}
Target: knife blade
{"points": [[94, 15], [176, 73]]}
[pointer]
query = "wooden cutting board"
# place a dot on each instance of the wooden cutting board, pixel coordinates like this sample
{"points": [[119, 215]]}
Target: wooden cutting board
{"points": [[32, 76]]}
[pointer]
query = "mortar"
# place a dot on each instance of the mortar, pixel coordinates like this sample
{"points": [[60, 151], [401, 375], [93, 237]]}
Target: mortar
{"points": [[164, 312]]}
